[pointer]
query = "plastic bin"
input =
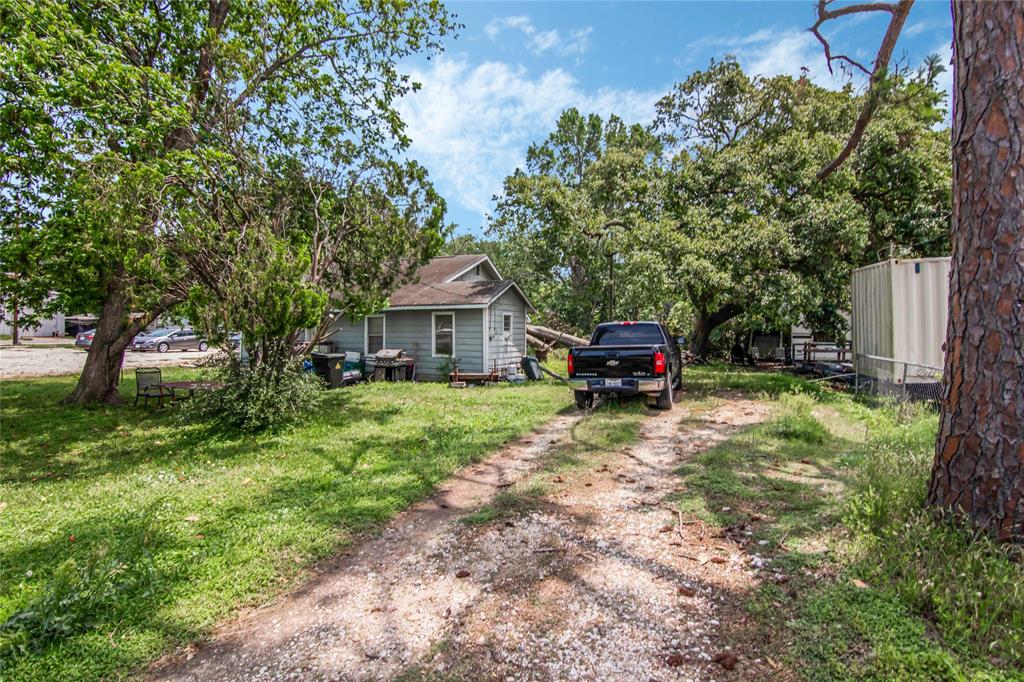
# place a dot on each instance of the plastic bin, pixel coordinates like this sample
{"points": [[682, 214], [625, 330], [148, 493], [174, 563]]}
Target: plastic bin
{"points": [[330, 367], [532, 368]]}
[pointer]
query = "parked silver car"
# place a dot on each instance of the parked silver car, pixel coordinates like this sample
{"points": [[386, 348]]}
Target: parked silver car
{"points": [[169, 338], [84, 340]]}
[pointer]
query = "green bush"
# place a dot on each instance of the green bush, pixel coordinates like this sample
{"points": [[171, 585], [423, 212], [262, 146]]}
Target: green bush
{"points": [[794, 421], [256, 399]]}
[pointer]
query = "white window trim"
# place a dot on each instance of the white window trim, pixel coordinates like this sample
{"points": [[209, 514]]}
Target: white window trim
{"points": [[366, 333], [433, 333], [511, 325]]}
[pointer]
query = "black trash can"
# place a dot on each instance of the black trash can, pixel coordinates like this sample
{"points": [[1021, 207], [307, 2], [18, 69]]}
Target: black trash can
{"points": [[330, 367], [532, 368]]}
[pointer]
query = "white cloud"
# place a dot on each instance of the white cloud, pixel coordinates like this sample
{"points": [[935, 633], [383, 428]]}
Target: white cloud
{"points": [[792, 52], [471, 125], [538, 41]]}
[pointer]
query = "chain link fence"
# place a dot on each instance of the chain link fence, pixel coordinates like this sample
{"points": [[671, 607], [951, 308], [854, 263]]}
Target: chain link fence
{"points": [[908, 381]]}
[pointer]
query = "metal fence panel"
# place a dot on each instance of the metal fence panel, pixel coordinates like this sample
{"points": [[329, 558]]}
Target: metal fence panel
{"points": [[899, 379]]}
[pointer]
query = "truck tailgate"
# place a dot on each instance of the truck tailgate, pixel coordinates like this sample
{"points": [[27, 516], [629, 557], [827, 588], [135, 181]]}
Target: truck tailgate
{"points": [[613, 361]]}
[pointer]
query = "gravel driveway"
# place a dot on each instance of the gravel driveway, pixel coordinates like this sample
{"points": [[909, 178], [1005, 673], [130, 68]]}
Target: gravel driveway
{"points": [[38, 360], [603, 580]]}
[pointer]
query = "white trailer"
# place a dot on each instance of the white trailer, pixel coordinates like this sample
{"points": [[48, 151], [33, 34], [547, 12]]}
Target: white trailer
{"points": [[900, 308]]}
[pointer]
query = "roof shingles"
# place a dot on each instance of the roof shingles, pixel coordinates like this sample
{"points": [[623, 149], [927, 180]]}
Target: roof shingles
{"points": [[478, 292]]}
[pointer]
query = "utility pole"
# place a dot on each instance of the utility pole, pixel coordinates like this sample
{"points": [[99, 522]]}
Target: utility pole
{"points": [[611, 285], [605, 232]]}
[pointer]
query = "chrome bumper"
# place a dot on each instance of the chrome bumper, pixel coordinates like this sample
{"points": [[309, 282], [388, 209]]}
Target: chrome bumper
{"points": [[636, 386]]}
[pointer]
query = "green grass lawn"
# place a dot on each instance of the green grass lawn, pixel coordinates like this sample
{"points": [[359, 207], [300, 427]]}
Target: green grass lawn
{"points": [[868, 584], [125, 532]]}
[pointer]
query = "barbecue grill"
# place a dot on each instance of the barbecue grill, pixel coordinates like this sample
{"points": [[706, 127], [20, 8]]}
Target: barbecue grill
{"points": [[392, 364]]}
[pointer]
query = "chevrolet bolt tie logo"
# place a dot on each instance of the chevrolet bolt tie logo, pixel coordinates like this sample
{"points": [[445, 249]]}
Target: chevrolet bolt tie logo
{"points": [[612, 363]]}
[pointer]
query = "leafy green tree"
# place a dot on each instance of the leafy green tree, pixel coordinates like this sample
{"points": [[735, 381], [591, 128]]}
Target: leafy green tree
{"points": [[586, 193], [114, 115], [305, 246], [903, 170], [758, 234]]}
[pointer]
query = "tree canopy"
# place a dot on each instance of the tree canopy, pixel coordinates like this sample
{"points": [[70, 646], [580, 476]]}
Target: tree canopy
{"points": [[716, 211], [128, 128]]}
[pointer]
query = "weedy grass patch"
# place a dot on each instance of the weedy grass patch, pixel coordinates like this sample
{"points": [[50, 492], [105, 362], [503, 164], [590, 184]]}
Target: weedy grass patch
{"points": [[126, 532], [875, 586]]}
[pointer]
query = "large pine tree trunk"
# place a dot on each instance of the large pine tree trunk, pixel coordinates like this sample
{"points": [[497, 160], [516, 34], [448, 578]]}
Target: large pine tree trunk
{"points": [[979, 459]]}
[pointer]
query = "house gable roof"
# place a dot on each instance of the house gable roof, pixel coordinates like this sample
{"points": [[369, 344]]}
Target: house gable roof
{"points": [[447, 268], [436, 286]]}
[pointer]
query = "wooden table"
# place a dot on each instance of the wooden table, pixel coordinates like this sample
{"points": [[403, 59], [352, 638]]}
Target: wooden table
{"points": [[191, 387]]}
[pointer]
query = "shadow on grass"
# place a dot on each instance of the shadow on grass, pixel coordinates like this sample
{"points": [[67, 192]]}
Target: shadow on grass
{"points": [[239, 516], [780, 482]]}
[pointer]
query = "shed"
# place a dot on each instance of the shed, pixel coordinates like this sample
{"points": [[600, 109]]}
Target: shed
{"points": [[459, 310], [900, 308]]}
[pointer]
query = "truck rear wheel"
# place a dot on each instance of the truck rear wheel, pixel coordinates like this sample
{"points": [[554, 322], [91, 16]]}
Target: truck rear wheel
{"points": [[584, 399], [665, 397]]}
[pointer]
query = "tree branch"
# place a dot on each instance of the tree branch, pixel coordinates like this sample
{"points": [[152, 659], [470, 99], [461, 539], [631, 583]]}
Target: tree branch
{"points": [[898, 15]]}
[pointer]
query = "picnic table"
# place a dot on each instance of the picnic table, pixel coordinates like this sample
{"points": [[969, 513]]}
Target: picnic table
{"points": [[191, 387]]}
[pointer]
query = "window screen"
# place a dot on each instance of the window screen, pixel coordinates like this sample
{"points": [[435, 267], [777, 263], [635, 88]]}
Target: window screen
{"points": [[374, 334], [444, 334], [506, 322]]}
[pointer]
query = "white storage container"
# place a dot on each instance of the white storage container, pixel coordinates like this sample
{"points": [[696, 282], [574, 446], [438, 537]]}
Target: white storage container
{"points": [[900, 307]]}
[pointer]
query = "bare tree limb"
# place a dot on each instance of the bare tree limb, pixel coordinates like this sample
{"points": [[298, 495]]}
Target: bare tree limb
{"points": [[898, 15]]}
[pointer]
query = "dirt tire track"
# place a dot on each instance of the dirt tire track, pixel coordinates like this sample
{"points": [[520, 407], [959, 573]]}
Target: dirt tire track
{"points": [[587, 586]]}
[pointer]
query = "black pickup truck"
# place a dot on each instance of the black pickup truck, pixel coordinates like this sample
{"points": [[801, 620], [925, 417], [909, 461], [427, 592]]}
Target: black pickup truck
{"points": [[626, 358]]}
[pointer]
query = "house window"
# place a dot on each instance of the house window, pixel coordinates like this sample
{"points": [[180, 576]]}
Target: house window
{"points": [[444, 334], [476, 272], [374, 334], [506, 324]]}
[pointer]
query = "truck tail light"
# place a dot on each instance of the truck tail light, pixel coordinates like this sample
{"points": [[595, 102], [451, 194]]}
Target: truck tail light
{"points": [[569, 364], [659, 362]]}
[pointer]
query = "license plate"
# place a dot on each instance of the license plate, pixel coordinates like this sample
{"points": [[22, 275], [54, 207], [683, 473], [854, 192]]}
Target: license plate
{"points": [[613, 383]]}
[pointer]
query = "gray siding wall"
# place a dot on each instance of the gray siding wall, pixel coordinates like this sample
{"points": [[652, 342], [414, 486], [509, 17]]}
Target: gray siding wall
{"points": [[347, 333], [411, 330], [505, 349]]}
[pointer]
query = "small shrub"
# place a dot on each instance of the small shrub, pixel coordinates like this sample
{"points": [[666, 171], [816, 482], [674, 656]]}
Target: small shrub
{"points": [[256, 399], [794, 421]]}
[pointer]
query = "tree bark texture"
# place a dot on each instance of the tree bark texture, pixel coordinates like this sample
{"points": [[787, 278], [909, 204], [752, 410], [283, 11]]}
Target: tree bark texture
{"points": [[707, 323], [102, 372], [115, 329], [978, 472]]}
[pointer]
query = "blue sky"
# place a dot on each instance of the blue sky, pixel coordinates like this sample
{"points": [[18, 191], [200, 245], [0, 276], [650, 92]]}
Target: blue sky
{"points": [[502, 82]]}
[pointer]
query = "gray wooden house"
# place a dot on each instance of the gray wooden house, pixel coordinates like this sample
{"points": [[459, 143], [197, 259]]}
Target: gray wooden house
{"points": [[459, 310]]}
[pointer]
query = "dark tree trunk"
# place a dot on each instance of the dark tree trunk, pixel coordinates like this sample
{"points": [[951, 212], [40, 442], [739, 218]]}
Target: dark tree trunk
{"points": [[15, 331], [978, 471], [707, 323], [115, 329], [102, 372]]}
